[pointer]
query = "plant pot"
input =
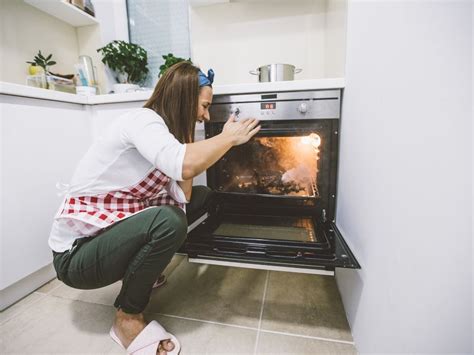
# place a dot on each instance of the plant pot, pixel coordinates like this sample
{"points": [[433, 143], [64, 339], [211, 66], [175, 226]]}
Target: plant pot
{"points": [[124, 88], [37, 81]]}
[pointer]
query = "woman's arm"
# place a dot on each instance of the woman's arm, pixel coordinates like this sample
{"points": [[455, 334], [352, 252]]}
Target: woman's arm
{"points": [[201, 155], [187, 187]]}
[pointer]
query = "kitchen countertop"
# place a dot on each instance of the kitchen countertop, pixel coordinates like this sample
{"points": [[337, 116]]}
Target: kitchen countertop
{"points": [[297, 85]]}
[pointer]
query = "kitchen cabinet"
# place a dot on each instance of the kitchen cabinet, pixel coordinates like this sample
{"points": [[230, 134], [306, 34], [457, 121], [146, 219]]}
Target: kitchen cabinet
{"points": [[41, 142]]}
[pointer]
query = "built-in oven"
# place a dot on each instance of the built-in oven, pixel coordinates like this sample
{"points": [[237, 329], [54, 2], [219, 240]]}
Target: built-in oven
{"points": [[273, 204]]}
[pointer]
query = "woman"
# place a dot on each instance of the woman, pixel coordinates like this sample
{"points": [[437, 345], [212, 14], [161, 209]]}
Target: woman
{"points": [[131, 199]]}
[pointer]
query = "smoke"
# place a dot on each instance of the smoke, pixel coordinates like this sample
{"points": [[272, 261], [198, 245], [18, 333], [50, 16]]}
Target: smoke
{"points": [[267, 163], [300, 175]]}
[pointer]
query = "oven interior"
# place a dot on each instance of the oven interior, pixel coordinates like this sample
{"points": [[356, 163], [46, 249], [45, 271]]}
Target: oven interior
{"points": [[286, 169], [276, 166]]}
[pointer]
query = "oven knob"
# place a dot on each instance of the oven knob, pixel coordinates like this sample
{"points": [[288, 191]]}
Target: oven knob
{"points": [[303, 108]]}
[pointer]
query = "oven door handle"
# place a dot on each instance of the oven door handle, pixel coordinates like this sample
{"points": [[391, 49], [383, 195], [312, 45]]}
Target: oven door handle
{"points": [[243, 252], [256, 252], [228, 251]]}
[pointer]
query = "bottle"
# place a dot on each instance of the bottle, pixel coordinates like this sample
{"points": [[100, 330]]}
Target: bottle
{"points": [[89, 73]]}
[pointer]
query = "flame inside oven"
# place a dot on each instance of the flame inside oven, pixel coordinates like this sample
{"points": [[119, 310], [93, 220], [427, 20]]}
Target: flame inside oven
{"points": [[274, 166]]}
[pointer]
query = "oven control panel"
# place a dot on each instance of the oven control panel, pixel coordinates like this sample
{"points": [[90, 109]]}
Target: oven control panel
{"points": [[319, 104]]}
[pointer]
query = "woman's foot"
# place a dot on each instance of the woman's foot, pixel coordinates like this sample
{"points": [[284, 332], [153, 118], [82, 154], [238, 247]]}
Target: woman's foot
{"points": [[127, 326]]}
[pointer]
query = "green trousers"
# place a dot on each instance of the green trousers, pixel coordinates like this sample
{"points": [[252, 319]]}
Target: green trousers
{"points": [[135, 250]]}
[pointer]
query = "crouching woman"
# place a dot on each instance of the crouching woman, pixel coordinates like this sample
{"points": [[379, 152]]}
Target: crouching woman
{"points": [[131, 199]]}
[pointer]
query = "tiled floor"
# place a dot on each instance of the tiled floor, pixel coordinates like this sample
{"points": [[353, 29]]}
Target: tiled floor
{"points": [[211, 309]]}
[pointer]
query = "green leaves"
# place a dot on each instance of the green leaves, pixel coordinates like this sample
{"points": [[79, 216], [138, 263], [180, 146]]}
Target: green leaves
{"points": [[43, 62], [170, 60], [127, 59]]}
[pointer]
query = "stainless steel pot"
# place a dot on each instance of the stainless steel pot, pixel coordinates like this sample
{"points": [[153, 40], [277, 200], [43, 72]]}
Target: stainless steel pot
{"points": [[275, 72]]}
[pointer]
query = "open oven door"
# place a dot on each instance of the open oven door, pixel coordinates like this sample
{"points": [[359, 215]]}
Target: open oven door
{"points": [[295, 243]]}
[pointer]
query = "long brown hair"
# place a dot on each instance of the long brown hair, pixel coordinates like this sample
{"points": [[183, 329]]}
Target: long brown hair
{"points": [[176, 98]]}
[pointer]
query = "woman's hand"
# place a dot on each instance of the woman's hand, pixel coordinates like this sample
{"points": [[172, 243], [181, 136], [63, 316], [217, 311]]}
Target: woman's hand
{"points": [[201, 155], [240, 132]]}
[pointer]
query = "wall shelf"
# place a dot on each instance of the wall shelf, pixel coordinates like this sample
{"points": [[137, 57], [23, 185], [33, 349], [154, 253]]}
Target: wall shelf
{"points": [[64, 11]]}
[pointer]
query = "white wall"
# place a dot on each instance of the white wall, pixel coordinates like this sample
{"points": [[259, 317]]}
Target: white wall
{"points": [[472, 168], [405, 185], [24, 31], [1, 196], [335, 38], [236, 37], [112, 15]]}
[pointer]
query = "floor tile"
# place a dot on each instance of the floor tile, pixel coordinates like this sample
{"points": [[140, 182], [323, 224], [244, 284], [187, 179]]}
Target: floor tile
{"points": [[211, 339], [54, 325], [175, 261], [283, 344], [105, 295], [215, 293], [304, 304], [19, 306], [49, 286]]}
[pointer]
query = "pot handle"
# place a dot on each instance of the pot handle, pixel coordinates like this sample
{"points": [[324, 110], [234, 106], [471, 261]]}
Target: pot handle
{"points": [[254, 72], [298, 71]]}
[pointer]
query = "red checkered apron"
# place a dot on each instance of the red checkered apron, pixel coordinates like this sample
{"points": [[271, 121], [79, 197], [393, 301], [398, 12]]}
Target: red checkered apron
{"points": [[87, 215]]}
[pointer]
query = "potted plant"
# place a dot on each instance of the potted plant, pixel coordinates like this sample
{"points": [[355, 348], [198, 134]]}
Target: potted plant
{"points": [[129, 62], [39, 61], [170, 60]]}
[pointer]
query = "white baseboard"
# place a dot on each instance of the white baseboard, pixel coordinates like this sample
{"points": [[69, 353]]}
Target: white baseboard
{"points": [[25, 286]]}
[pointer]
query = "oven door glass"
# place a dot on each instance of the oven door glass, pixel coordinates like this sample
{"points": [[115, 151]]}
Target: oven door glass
{"points": [[284, 166], [287, 163]]}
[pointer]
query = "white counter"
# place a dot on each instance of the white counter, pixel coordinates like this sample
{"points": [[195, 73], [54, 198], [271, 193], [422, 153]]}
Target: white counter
{"points": [[297, 85], [37, 93]]}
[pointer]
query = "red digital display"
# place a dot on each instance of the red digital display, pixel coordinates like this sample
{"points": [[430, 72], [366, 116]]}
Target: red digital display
{"points": [[268, 105]]}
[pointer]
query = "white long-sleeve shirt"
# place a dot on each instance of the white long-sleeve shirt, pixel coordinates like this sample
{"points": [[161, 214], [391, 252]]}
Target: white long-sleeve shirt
{"points": [[137, 146]]}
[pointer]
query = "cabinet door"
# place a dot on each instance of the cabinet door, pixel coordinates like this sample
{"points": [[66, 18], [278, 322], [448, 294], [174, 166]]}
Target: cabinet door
{"points": [[41, 143]]}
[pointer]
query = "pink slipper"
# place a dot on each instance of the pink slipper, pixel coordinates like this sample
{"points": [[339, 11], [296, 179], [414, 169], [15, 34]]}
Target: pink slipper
{"points": [[160, 281], [147, 342]]}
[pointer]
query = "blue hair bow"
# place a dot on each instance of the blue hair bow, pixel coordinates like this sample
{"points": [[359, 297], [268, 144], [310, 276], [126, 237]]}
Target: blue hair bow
{"points": [[206, 80]]}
